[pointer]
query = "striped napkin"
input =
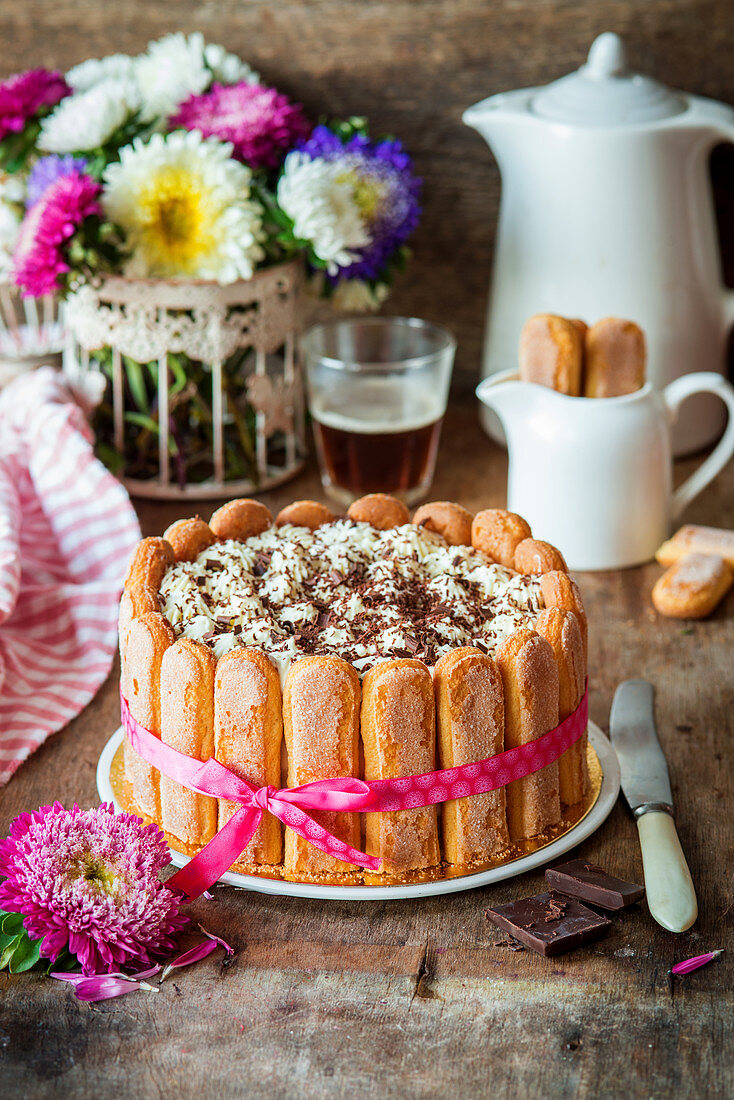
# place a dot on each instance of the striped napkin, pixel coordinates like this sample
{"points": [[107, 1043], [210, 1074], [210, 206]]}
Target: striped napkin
{"points": [[67, 530]]}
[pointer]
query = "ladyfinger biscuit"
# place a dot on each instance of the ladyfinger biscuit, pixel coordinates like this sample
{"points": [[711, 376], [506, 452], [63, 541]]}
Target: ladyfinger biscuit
{"points": [[304, 513], [536, 556], [561, 629], [447, 519], [189, 537], [560, 590], [321, 703], [498, 533], [470, 725], [692, 587], [187, 723], [693, 539], [379, 509], [143, 646], [240, 519], [151, 558], [530, 681], [248, 730], [134, 602], [399, 738], [581, 327], [614, 359], [551, 353]]}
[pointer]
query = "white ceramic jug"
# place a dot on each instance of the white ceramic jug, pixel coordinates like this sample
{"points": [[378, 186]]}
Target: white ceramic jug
{"points": [[594, 477], [607, 211]]}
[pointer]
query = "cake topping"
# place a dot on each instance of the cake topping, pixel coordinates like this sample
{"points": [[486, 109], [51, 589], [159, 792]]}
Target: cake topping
{"points": [[348, 589]]}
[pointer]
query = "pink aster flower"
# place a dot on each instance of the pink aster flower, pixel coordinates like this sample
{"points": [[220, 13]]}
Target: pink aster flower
{"points": [[23, 95], [261, 123], [39, 259], [88, 879]]}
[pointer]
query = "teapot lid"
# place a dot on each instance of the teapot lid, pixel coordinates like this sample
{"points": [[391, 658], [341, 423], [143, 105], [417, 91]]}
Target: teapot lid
{"points": [[604, 92]]}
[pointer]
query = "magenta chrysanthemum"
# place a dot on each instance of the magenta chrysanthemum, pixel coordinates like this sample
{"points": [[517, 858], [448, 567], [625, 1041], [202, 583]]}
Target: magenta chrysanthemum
{"points": [[261, 123], [88, 879], [23, 95], [40, 258]]}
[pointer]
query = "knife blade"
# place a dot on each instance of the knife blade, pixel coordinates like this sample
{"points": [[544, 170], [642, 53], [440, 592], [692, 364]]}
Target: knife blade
{"points": [[671, 896]]}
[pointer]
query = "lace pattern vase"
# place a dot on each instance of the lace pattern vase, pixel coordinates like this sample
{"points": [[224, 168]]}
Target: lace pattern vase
{"points": [[203, 395]]}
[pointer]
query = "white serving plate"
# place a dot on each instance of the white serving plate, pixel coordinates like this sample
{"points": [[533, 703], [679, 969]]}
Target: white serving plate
{"points": [[588, 824]]}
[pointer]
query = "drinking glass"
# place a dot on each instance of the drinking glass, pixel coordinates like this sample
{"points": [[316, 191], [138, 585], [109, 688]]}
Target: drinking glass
{"points": [[377, 390]]}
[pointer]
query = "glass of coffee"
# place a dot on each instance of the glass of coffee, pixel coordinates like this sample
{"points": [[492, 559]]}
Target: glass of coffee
{"points": [[377, 388]]}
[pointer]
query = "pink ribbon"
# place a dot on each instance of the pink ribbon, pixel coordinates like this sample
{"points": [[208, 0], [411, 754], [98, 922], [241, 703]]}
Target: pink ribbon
{"points": [[211, 778]]}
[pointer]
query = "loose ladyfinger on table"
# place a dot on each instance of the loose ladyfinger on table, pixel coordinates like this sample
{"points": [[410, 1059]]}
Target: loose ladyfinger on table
{"points": [[447, 519], [497, 533], [470, 726], [187, 724], [189, 537], [151, 558], [399, 739], [304, 513], [240, 519], [560, 590], [692, 587], [561, 629], [379, 509], [248, 731], [143, 646], [693, 539], [614, 358], [321, 702], [530, 681], [536, 556], [551, 353]]}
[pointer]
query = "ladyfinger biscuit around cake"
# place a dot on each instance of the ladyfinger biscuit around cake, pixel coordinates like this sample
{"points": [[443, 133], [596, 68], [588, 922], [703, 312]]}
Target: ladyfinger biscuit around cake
{"points": [[614, 360], [321, 702], [560, 590], [692, 587], [561, 629], [447, 519], [693, 539], [134, 602], [240, 519], [530, 681], [470, 725], [379, 509], [151, 558], [551, 353], [399, 739], [187, 724], [304, 513], [498, 533], [248, 731], [536, 556], [189, 537], [142, 649]]}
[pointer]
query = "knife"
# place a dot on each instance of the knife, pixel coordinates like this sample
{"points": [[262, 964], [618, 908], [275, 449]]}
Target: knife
{"points": [[671, 896]]}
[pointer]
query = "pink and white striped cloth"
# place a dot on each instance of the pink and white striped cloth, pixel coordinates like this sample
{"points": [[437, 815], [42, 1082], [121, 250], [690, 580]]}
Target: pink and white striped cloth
{"points": [[67, 530]]}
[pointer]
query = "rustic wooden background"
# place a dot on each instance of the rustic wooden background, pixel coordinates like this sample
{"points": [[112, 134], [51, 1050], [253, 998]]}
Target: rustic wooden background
{"points": [[412, 66]]}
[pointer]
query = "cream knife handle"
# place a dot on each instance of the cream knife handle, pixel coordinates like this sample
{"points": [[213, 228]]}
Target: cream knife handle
{"points": [[671, 897]]}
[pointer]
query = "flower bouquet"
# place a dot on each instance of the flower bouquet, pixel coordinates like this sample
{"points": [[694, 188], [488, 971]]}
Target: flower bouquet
{"points": [[175, 201]]}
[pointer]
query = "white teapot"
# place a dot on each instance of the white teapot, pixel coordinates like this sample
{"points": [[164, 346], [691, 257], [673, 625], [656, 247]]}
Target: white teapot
{"points": [[607, 211], [594, 476]]}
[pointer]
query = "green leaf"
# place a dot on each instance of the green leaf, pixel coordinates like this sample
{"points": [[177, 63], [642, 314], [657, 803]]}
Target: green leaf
{"points": [[136, 382], [65, 961], [25, 956], [11, 924], [10, 950]]}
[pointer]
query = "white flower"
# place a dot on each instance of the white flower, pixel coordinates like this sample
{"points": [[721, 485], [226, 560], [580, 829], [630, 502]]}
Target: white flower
{"points": [[88, 119], [321, 205], [357, 296], [10, 219], [227, 68], [173, 68], [118, 66], [185, 207]]}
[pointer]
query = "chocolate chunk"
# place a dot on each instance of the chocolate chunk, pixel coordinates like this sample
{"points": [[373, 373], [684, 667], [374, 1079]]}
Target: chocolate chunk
{"points": [[580, 879], [549, 924]]}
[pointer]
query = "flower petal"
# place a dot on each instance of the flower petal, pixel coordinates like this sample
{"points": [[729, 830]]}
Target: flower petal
{"points": [[225, 945], [687, 965]]}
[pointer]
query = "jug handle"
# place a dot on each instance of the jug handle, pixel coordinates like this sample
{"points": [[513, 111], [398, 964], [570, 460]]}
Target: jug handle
{"points": [[725, 132], [673, 396]]}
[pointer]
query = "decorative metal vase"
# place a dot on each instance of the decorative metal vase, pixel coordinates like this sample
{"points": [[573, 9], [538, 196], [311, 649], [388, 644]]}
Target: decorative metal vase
{"points": [[30, 332], [203, 395]]}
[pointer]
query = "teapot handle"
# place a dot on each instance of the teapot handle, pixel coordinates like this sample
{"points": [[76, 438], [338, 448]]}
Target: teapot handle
{"points": [[673, 396]]}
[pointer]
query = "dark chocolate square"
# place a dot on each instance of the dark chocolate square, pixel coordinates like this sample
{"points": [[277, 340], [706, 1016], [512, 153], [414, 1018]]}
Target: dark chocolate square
{"points": [[580, 879], [550, 924]]}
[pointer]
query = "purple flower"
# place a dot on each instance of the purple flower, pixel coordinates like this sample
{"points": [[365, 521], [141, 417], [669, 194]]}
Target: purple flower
{"points": [[88, 880], [23, 95], [385, 191], [261, 123], [47, 170]]}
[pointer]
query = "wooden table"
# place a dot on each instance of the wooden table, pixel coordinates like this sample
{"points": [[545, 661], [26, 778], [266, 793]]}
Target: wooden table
{"points": [[403, 999]]}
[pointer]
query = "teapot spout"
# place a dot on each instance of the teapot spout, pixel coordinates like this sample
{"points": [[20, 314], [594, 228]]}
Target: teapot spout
{"points": [[491, 116]]}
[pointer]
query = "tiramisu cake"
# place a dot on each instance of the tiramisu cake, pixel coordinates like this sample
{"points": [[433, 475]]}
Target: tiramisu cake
{"points": [[316, 646]]}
